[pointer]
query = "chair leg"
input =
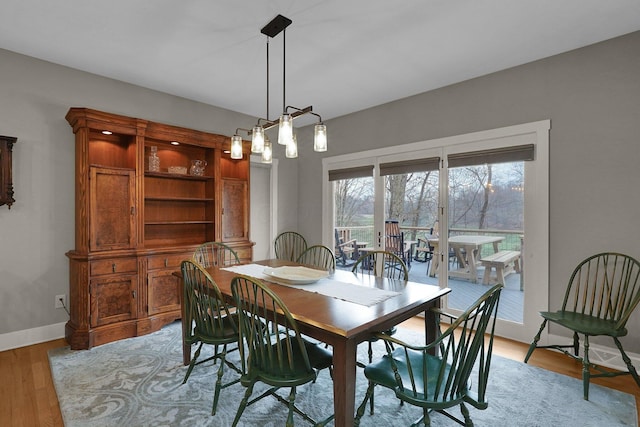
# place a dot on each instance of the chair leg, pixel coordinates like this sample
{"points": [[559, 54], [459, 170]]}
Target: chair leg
{"points": [[192, 364], [465, 414], [216, 394], [243, 404], [534, 344], [423, 420], [586, 372], [426, 419], [627, 361], [363, 405], [370, 361], [292, 399]]}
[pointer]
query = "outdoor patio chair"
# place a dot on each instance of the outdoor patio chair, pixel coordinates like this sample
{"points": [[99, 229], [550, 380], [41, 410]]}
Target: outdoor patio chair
{"points": [[211, 323], [424, 251], [436, 377], [603, 291], [394, 241], [289, 245], [344, 250], [275, 352]]}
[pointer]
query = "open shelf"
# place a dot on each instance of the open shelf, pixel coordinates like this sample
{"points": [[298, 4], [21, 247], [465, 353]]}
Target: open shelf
{"points": [[178, 199], [168, 175], [176, 222]]}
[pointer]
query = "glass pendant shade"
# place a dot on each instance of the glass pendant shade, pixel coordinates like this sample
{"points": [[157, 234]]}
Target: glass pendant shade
{"points": [[285, 130], [320, 137], [291, 152], [266, 152], [236, 147], [257, 139]]}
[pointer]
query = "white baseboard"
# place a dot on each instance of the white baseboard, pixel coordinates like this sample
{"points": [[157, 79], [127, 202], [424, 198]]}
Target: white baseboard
{"points": [[31, 336], [601, 355]]}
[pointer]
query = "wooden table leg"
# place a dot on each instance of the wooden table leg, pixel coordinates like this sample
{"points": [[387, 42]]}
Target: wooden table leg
{"points": [[186, 348], [344, 382], [471, 263]]}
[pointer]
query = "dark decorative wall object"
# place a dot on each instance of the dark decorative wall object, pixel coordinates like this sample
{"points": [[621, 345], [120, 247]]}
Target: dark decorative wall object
{"points": [[6, 183]]}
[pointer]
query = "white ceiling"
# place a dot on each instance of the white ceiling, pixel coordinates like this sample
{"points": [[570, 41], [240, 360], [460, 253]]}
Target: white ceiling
{"points": [[341, 56]]}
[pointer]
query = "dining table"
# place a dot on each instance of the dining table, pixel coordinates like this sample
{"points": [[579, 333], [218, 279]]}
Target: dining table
{"points": [[466, 248], [362, 305]]}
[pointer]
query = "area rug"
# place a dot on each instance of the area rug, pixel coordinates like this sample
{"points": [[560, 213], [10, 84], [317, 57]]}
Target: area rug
{"points": [[138, 382]]}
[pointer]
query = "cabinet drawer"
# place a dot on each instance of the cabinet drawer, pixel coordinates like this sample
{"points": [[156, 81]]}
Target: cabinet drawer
{"points": [[111, 266], [244, 253], [157, 262]]}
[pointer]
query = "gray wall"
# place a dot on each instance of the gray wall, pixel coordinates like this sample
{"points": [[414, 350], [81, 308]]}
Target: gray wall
{"points": [[39, 229], [591, 95]]}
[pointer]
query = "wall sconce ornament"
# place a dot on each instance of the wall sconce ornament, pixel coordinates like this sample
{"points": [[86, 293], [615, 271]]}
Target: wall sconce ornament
{"points": [[6, 183]]}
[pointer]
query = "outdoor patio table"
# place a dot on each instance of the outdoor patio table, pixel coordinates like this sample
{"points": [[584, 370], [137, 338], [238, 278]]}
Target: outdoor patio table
{"points": [[466, 247]]}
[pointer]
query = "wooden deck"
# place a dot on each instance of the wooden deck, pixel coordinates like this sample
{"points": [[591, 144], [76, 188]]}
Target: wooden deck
{"points": [[464, 293]]}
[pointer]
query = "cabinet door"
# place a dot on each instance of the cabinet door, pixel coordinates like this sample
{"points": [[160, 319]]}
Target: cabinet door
{"points": [[113, 299], [112, 209], [235, 221], [163, 291]]}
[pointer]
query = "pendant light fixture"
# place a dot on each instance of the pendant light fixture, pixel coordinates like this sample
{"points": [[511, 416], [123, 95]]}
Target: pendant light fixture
{"points": [[236, 146], [286, 135]]}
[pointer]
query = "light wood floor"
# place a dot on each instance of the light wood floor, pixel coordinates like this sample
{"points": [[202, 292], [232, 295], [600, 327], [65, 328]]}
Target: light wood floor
{"points": [[28, 397]]}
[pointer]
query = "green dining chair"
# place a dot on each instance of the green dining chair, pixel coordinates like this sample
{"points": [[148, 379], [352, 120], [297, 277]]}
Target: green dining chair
{"points": [[215, 254], [437, 376], [603, 291], [211, 323], [274, 352], [318, 256], [380, 264], [289, 245]]}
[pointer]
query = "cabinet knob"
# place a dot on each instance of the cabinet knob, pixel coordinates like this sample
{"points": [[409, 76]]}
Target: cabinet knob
{"points": [[113, 267], [166, 262], [133, 293]]}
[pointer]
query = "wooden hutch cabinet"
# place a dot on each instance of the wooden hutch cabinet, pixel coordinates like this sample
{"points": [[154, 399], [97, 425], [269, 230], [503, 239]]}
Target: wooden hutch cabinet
{"points": [[135, 223]]}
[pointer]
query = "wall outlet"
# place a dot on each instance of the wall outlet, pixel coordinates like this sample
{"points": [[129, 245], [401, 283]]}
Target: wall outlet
{"points": [[61, 301]]}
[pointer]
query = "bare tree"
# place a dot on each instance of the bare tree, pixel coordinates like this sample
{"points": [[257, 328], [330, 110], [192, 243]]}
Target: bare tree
{"points": [[486, 185], [396, 190], [351, 195]]}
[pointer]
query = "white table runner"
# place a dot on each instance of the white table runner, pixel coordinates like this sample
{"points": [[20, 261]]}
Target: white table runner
{"points": [[363, 295]]}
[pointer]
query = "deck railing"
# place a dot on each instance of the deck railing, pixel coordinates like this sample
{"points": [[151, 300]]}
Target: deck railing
{"points": [[513, 239]]}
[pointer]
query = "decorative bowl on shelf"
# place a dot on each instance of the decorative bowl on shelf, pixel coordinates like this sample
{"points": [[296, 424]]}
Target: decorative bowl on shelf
{"points": [[181, 170], [197, 167]]}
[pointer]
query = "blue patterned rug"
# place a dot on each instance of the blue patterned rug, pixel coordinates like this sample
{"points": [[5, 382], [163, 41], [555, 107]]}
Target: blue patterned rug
{"points": [[138, 382]]}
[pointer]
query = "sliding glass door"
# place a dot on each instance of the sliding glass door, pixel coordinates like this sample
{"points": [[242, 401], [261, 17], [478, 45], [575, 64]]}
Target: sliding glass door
{"points": [[486, 231], [469, 210]]}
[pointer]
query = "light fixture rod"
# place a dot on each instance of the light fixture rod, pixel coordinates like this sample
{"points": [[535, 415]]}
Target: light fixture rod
{"points": [[267, 79], [284, 68], [273, 123]]}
